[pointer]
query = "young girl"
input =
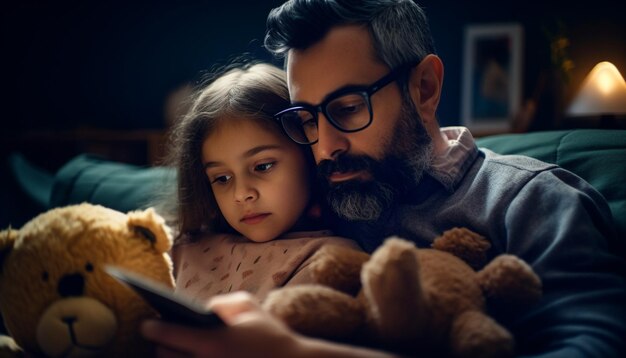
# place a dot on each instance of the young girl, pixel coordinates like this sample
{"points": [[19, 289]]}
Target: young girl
{"points": [[244, 190]]}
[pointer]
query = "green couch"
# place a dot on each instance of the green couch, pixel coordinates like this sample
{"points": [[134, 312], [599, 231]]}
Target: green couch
{"points": [[598, 156]]}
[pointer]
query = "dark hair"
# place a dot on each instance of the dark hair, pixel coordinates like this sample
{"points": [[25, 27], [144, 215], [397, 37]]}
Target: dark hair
{"points": [[399, 28], [255, 91]]}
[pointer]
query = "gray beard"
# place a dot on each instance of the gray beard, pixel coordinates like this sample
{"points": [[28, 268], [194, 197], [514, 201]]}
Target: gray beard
{"points": [[360, 206], [412, 145]]}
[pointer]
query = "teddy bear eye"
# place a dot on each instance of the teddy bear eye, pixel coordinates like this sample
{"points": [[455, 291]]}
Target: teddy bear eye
{"points": [[45, 276], [89, 267]]}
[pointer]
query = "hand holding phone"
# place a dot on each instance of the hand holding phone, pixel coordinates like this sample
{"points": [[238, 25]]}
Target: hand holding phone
{"points": [[172, 307]]}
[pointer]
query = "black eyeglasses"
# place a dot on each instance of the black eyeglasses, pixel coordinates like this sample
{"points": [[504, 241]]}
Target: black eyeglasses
{"points": [[348, 109]]}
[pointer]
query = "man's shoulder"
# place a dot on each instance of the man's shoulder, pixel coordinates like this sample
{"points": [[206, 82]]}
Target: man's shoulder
{"points": [[508, 174], [513, 163], [512, 173]]}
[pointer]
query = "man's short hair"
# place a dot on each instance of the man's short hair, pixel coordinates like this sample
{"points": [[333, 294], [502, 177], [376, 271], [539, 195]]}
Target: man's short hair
{"points": [[399, 28]]}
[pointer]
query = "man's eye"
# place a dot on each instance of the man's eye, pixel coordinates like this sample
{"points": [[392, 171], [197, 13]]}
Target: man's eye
{"points": [[222, 179], [264, 167], [311, 123], [305, 117], [350, 109]]}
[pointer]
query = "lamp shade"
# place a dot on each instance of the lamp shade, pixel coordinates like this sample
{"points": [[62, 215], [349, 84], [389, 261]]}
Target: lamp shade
{"points": [[603, 92]]}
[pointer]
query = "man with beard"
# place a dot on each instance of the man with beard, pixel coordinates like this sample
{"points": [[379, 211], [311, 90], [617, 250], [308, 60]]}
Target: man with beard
{"points": [[365, 84]]}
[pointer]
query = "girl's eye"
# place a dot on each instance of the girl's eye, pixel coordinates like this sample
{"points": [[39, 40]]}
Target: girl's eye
{"points": [[222, 179], [264, 167]]}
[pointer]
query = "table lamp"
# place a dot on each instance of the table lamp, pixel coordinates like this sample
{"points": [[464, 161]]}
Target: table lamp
{"points": [[602, 94]]}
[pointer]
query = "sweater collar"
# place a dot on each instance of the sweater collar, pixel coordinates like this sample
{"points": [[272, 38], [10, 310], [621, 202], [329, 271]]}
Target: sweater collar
{"points": [[448, 167]]}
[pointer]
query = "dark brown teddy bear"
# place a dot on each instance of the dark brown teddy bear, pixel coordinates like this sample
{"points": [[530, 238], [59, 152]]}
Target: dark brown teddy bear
{"points": [[430, 302]]}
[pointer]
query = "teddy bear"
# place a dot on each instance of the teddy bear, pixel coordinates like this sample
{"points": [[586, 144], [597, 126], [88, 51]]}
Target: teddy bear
{"points": [[55, 298], [413, 301]]}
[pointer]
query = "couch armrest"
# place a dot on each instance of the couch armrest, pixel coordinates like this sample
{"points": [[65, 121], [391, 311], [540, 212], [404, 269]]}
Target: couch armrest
{"points": [[119, 186]]}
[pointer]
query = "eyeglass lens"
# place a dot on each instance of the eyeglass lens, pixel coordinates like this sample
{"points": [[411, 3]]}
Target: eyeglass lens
{"points": [[349, 112]]}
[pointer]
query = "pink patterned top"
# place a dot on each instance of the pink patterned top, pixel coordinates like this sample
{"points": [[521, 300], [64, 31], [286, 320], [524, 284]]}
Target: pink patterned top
{"points": [[222, 263]]}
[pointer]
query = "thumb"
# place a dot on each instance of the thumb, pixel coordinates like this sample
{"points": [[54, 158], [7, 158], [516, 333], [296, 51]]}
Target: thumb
{"points": [[230, 306]]}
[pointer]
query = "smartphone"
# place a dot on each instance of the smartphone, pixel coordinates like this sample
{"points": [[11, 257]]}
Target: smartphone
{"points": [[172, 307]]}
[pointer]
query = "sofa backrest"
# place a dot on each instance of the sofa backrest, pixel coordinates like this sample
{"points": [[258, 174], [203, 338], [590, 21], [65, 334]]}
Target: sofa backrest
{"points": [[119, 186]]}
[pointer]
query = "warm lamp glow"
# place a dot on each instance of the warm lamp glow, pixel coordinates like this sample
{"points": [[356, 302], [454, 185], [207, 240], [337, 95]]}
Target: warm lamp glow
{"points": [[603, 92]]}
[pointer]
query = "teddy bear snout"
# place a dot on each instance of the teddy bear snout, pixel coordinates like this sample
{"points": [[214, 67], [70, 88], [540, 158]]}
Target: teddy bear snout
{"points": [[71, 285], [76, 326]]}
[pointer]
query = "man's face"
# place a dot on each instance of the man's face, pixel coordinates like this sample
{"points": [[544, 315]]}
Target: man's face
{"points": [[363, 172]]}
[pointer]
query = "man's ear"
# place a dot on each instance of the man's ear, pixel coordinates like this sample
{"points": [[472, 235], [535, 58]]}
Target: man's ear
{"points": [[151, 226], [425, 85], [7, 241]]}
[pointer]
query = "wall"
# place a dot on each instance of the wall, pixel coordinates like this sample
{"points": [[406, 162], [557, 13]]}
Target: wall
{"points": [[111, 64], [596, 30]]}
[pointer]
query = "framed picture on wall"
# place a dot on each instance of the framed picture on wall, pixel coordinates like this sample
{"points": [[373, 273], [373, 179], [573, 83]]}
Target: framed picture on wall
{"points": [[492, 65]]}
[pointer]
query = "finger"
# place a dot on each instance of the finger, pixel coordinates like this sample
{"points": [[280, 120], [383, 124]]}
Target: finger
{"points": [[249, 318], [184, 339], [230, 306]]}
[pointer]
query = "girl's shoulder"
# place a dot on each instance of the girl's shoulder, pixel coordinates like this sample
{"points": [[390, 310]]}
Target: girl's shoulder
{"points": [[309, 234], [210, 238], [315, 238]]}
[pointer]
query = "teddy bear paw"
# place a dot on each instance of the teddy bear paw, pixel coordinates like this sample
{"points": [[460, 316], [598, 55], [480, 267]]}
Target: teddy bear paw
{"points": [[464, 244], [508, 281]]}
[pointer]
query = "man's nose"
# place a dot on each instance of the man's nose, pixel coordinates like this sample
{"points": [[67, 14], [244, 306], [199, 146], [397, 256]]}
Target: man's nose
{"points": [[331, 141]]}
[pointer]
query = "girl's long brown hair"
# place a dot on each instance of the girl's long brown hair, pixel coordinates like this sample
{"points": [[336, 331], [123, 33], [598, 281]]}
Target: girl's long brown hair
{"points": [[255, 91]]}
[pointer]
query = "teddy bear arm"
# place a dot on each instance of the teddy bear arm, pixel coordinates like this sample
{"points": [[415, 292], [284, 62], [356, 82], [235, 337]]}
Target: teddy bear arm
{"points": [[317, 311], [508, 281], [474, 334], [338, 267]]}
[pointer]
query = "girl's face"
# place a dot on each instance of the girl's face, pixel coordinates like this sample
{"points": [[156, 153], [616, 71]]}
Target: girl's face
{"points": [[258, 176]]}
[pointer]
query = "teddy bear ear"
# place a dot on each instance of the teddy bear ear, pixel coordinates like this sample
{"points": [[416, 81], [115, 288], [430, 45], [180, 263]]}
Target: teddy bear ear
{"points": [[7, 240], [150, 225]]}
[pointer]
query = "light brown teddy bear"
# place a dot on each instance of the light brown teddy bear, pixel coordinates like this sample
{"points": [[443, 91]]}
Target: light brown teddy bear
{"points": [[56, 299], [426, 302]]}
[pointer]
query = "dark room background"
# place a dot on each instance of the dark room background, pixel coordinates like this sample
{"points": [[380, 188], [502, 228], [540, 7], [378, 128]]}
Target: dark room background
{"points": [[110, 65]]}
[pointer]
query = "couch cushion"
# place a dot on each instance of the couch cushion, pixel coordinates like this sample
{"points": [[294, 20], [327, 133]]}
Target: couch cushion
{"points": [[598, 156], [119, 186]]}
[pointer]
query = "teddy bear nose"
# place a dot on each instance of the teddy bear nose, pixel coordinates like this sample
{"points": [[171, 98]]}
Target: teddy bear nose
{"points": [[71, 285]]}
